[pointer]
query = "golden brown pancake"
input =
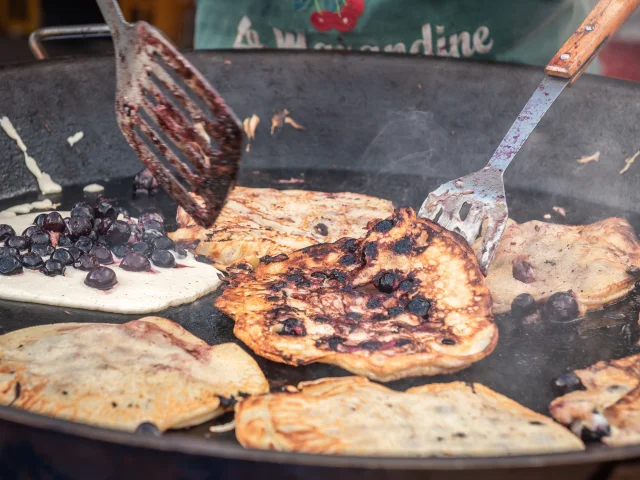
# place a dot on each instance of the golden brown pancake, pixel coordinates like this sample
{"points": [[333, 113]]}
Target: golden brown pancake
{"points": [[406, 299], [609, 407], [119, 376], [598, 263], [263, 221], [352, 416]]}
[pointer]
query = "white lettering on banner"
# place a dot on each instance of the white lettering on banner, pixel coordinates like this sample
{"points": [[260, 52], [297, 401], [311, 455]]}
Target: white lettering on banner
{"points": [[290, 40], [246, 37], [425, 42], [479, 37], [460, 44]]}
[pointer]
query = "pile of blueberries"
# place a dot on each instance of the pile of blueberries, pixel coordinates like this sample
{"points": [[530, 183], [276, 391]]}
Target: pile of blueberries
{"points": [[88, 240]]}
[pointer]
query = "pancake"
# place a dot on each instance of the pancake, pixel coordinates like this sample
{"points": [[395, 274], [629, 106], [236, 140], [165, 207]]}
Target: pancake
{"points": [[598, 263], [406, 299], [263, 221], [609, 407], [352, 416], [120, 376]]}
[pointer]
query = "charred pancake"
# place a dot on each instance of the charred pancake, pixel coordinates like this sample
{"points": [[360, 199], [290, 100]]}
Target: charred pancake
{"points": [[609, 407], [597, 262], [263, 221], [119, 376], [352, 416], [407, 299]]}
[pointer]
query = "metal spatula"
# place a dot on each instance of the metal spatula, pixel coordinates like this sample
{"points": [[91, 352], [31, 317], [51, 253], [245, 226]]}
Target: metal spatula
{"points": [[161, 119], [477, 201]]}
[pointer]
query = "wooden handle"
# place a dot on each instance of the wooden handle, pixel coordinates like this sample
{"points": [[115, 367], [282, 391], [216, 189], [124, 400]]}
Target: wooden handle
{"points": [[603, 21]]}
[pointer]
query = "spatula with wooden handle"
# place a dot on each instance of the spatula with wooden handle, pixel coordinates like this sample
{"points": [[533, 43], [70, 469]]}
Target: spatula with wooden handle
{"points": [[477, 202], [162, 119]]}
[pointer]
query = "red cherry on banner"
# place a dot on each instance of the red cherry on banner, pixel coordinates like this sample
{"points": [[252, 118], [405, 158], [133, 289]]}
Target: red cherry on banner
{"points": [[355, 7], [322, 20], [346, 22]]}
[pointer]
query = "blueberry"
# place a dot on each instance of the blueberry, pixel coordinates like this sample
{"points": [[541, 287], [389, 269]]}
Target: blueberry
{"points": [[42, 250], [18, 242], [86, 262], [54, 222], [75, 252], [145, 181], [163, 243], [135, 262], [150, 235], [65, 241], [27, 232], [118, 233], [79, 227], [142, 247], [386, 282], [102, 253], [83, 209], [418, 306], [6, 231], [39, 220], [9, 251], [148, 429], [10, 265], [567, 383], [101, 225], [561, 307], [32, 261], [152, 225], [63, 256], [163, 258], [102, 278], [40, 238], [155, 216], [105, 210], [84, 244], [121, 250], [51, 268], [523, 305], [522, 271]]}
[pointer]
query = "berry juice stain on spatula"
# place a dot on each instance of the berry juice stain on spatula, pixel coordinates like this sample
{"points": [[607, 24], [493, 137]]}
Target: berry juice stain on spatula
{"points": [[158, 117]]}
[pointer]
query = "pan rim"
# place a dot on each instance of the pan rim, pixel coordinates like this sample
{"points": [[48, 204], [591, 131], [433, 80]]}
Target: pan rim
{"points": [[213, 449]]}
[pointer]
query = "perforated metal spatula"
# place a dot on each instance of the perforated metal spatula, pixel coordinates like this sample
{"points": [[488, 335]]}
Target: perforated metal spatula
{"points": [[477, 202], [163, 120]]}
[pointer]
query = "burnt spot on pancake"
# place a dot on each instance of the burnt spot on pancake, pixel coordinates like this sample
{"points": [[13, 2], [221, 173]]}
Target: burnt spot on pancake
{"points": [[383, 226], [321, 319], [348, 260], [401, 342], [373, 303], [319, 275], [353, 316], [273, 298], [380, 317], [338, 276], [242, 266], [293, 327], [350, 245], [386, 282], [267, 259], [227, 402], [405, 285], [403, 246], [295, 277], [334, 342], [203, 259], [277, 286], [370, 345], [394, 311], [371, 250], [448, 341], [322, 229]]}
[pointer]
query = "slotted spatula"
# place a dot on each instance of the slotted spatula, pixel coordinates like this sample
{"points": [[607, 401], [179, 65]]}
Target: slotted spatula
{"points": [[477, 201], [155, 113]]}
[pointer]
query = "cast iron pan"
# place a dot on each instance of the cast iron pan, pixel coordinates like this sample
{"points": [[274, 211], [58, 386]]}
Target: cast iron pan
{"points": [[391, 126]]}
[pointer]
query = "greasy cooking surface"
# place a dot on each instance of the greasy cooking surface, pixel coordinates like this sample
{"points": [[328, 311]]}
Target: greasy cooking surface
{"points": [[407, 299], [525, 361]]}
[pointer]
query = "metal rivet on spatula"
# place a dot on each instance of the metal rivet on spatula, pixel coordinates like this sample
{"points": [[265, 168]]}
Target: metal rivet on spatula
{"points": [[565, 56], [589, 28]]}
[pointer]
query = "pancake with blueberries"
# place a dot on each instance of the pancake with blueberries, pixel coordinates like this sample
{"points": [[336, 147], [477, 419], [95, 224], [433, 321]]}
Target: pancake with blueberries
{"points": [[597, 264], [605, 401], [149, 370], [263, 221], [406, 299]]}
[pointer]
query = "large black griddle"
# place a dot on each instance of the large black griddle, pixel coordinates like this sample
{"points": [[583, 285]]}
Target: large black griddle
{"points": [[391, 126]]}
